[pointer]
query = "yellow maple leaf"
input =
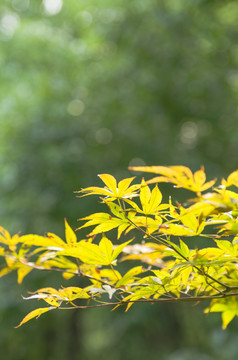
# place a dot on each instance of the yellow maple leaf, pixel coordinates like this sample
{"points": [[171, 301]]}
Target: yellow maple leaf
{"points": [[35, 313]]}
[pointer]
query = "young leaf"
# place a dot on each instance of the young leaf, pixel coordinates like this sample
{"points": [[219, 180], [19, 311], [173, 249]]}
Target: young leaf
{"points": [[184, 249], [106, 248], [35, 313], [181, 176], [70, 236], [150, 201], [110, 182], [190, 221], [232, 179], [22, 271], [228, 307], [111, 191], [102, 254], [51, 240]]}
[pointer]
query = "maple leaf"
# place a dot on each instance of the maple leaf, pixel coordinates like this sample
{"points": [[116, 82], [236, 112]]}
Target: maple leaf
{"points": [[180, 176], [112, 191]]}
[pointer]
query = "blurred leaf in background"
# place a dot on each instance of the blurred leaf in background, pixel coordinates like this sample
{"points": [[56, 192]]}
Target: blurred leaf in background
{"points": [[92, 87]]}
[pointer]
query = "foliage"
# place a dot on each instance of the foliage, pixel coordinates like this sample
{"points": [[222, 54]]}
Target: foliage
{"points": [[174, 268], [158, 73]]}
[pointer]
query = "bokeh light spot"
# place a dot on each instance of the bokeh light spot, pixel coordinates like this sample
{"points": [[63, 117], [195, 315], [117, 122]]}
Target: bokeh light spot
{"points": [[137, 162], [189, 134], [75, 107], [52, 7], [9, 23], [103, 136]]}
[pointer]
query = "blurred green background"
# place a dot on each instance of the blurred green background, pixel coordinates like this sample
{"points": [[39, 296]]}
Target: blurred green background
{"points": [[94, 86]]}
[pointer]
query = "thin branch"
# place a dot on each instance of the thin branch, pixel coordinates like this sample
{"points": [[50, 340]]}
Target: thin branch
{"points": [[161, 300], [90, 277]]}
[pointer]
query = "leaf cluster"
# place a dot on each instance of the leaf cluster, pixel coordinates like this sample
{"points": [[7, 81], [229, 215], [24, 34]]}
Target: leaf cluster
{"points": [[165, 263]]}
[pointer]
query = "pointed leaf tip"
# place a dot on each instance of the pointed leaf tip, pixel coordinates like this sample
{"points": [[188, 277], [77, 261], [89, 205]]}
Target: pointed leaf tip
{"points": [[35, 313]]}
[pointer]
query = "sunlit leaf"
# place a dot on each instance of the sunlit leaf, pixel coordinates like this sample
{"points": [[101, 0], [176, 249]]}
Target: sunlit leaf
{"points": [[70, 236], [35, 313], [181, 176], [51, 240], [106, 248], [22, 271], [110, 182], [232, 179], [173, 269], [190, 221]]}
